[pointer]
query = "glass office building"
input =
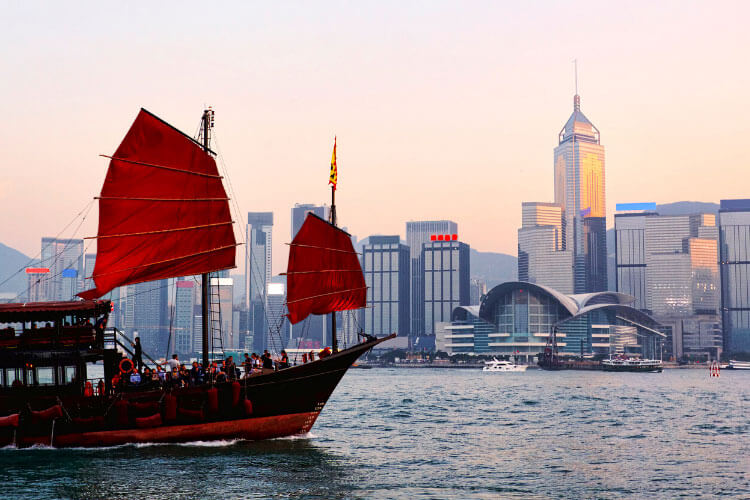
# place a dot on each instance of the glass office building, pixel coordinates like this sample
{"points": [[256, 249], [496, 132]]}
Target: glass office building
{"points": [[258, 251], [734, 261], [445, 279], [417, 234], [579, 190], [385, 263]]}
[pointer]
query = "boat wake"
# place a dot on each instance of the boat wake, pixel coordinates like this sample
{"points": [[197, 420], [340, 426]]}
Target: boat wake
{"points": [[308, 435]]}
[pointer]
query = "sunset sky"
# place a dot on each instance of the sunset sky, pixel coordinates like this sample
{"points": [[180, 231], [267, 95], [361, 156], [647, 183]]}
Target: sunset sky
{"points": [[443, 110]]}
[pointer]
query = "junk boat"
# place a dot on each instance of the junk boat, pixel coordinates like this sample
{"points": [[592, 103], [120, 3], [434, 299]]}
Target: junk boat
{"points": [[502, 366], [624, 364], [164, 213]]}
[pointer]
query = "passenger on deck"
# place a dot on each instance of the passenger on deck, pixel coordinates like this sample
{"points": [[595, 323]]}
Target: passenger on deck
{"points": [[184, 376], [135, 377], [304, 358], [197, 375], [267, 361], [220, 376], [146, 377], [247, 364], [324, 353], [311, 356], [231, 368], [137, 354], [173, 363], [284, 361], [174, 378]]}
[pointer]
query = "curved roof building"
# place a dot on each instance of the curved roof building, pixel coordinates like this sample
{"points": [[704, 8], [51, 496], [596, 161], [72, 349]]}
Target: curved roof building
{"points": [[516, 318]]}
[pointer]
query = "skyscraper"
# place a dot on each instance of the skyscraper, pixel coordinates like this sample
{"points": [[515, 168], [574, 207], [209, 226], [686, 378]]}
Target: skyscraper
{"points": [[257, 276], [446, 280], [541, 258], [579, 190], [313, 327], [386, 268], [417, 234], [300, 211], [147, 313], [734, 259], [64, 258], [184, 315], [669, 264]]}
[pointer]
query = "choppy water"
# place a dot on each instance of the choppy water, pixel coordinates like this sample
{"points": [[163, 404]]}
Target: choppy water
{"points": [[439, 433]]}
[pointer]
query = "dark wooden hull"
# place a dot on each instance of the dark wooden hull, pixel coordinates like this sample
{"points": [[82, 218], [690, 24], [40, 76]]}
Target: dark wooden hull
{"points": [[282, 403]]}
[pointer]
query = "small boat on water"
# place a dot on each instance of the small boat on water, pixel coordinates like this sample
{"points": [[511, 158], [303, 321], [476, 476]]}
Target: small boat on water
{"points": [[502, 366], [631, 365], [738, 365]]}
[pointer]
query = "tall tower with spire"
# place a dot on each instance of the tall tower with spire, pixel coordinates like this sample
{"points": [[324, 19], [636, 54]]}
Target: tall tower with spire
{"points": [[579, 190]]}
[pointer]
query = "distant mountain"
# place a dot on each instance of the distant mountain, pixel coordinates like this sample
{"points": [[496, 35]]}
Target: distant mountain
{"points": [[688, 208], [493, 268], [676, 208], [11, 260]]}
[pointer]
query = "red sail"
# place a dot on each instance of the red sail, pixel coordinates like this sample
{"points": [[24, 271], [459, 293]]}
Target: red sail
{"points": [[163, 211], [324, 274]]}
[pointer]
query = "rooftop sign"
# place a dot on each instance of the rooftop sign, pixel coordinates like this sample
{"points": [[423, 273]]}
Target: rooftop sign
{"points": [[629, 207]]}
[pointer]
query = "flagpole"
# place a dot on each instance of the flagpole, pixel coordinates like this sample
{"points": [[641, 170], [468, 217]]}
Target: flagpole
{"points": [[334, 338]]}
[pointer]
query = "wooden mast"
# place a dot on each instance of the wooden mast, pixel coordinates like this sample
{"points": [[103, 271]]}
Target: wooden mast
{"points": [[205, 277]]}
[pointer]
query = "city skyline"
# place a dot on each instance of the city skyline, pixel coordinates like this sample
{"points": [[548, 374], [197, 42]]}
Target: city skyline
{"points": [[495, 112]]}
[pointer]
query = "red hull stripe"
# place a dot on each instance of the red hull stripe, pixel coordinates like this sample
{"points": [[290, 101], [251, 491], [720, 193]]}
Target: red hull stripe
{"points": [[248, 428]]}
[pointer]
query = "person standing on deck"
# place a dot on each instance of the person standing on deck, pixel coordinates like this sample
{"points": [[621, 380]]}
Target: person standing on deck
{"points": [[138, 354]]}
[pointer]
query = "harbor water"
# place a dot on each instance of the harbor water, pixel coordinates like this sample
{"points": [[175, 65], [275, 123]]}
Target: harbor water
{"points": [[429, 433]]}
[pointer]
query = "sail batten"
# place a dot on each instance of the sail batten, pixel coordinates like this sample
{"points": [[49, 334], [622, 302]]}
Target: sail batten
{"points": [[324, 274], [163, 211]]}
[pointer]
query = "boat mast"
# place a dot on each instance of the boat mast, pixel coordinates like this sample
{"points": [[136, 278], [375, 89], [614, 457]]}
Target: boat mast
{"points": [[205, 124], [334, 339]]}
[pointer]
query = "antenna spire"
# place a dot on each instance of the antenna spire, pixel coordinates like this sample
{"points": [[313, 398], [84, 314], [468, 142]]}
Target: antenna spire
{"points": [[576, 97]]}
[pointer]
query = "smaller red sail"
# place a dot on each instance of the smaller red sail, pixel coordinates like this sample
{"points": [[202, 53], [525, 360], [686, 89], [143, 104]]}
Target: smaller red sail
{"points": [[324, 274]]}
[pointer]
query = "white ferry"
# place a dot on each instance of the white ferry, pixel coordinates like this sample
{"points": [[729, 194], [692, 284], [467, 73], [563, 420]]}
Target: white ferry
{"points": [[738, 365], [502, 366], [631, 365]]}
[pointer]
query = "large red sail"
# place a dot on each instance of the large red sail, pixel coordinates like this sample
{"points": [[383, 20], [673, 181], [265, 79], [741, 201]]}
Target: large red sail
{"points": [[323, 274], [163, 211]]}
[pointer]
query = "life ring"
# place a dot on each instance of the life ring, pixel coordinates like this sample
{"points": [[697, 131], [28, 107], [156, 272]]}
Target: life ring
{"points": [[126, 370]]}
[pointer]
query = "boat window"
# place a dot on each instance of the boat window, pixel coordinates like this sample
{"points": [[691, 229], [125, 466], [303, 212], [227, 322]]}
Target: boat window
{"points": [[45, 376], [10, 376], [69, 374]]}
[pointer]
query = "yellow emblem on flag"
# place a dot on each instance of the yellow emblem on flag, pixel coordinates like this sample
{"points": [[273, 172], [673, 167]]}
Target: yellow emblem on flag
{"points": [[333, 179]]}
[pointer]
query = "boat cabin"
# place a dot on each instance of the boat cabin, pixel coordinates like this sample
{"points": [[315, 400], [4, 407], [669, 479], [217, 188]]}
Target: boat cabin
{"points": [[46, 345]]}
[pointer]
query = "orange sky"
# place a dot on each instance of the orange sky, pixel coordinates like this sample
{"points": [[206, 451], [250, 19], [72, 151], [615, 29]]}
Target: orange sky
{"points": [[442, 109]]}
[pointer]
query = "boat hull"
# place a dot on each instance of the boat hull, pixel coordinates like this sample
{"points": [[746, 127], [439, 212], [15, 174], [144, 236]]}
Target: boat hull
{"points": [[631, 368]]}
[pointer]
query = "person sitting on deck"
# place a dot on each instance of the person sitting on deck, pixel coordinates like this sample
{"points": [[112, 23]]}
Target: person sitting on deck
{"points": [[197, 374], [247, 364], [174, 378], [146, 377], [135, 377], [184, 376], [221, 376], [267, 361], [284, 361], [230, 368], [325, 352]]}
